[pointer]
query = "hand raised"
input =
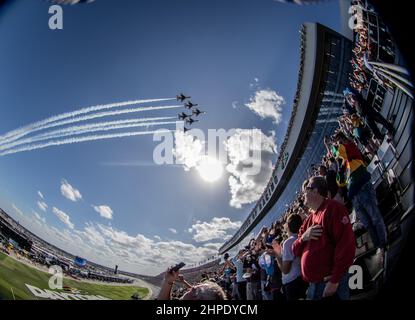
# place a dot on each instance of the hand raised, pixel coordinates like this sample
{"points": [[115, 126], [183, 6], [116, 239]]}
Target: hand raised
{"points": [[277, 247], [171, 275]]}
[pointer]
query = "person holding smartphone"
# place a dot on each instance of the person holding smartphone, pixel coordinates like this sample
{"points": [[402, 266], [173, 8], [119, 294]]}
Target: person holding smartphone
{"points": [[202, 291]]}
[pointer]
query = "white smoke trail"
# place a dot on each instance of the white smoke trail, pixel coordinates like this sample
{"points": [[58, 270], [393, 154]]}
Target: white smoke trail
{"points": [[92, 127], [77, 112], [84, 118], [80, 139]]}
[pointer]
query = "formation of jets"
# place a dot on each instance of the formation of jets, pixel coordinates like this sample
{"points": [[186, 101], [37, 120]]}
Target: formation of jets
{"points": [[190, 106], [181, 97], [190, 121], [196, 112]]}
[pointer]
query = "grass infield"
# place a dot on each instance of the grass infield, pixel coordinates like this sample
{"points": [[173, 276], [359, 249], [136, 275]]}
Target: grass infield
{"points": [[14, 275]]}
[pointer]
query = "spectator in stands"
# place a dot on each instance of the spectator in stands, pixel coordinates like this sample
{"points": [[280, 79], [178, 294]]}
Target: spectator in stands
{"points": [[203, 291], [234, 288], [325, 243], [253, 288], [330, 177], [302, 208], [266, 263], [340, 165], [362, 134], [322, 171], [372, 116], [270, 274], [263, 235], [361, 191], [294, 287], [227, 269], [238, 262], [276, 279]]}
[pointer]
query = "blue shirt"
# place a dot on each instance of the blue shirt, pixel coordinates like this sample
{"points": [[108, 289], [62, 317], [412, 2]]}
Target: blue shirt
{"points": [[266, 262]]}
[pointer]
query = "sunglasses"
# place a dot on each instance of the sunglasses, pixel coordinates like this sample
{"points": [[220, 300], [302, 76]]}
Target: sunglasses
{"points": [[309, 188]]}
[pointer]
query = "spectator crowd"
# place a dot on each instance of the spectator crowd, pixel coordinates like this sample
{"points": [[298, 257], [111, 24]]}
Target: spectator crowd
{"points": [[307, 252]]}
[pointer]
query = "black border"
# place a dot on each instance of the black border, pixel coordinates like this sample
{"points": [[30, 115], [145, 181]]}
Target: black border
{"points": [[396, 295]]}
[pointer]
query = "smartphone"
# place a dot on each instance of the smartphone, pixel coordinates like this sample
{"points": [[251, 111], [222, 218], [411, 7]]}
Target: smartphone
{"points": [[178, 266]]}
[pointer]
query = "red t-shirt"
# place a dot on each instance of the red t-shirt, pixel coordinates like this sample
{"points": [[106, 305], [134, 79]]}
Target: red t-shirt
{"points": [[333, 253]]}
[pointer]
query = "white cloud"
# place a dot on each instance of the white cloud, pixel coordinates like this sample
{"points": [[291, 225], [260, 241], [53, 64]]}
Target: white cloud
{"points": [[62, 216], [39, 217], [70, 192], [104, 211], [215, 229], [42, 205], [188, 150], [108, 246], [157, 237], [93, 235], [250, 154], [267, 104], [213, 246], [227, 237], [122, 238], [246, 187], [40, 194], [173, 230], [15, 208]]}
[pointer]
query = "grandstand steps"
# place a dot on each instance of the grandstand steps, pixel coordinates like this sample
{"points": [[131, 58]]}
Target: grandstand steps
{"points": [[373, 266], [392, 110]]}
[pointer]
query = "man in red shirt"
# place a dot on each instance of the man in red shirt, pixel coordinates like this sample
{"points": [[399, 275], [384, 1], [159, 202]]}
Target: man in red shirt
{"points": [[325, 243]]}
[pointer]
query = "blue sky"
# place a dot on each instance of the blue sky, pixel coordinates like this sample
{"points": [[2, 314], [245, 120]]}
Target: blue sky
{"points": [[219, 52]]}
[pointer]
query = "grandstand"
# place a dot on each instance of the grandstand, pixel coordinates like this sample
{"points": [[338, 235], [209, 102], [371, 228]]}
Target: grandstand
{"points": [[326, 70], [44, 254], [323, 76], [8, 232]]}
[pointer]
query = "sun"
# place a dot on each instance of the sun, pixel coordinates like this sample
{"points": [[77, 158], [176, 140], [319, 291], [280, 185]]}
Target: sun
{"points": [[210, 169]]}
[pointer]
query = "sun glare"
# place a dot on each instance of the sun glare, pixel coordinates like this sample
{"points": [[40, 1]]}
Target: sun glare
{"points": [[210, 169]]}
